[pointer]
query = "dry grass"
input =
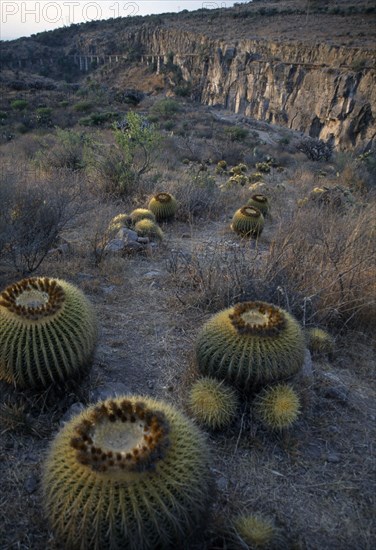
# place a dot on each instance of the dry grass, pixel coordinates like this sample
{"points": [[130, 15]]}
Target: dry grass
{"points": [[322, 261]]}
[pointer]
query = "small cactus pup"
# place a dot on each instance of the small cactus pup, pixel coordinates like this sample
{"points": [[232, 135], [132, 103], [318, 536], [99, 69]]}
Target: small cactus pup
{"points": [[118, 222], [278, 406], [141, 214], [248, 222], [319, 342], [130, 472], [250, 344], [256, 531], [238, 170], [212, 403], [148, 228], [260, 202], [48, 332], [163, 206], [221, 167]]}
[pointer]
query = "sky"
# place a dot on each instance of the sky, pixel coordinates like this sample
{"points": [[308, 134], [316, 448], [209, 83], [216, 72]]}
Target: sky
{"points": [[26, 17]]}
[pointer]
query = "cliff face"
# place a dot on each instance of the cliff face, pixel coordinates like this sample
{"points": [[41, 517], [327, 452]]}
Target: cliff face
{"points": [[320, 90]]}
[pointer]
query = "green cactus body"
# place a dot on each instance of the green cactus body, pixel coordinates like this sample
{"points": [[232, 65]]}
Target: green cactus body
{"points": [[142, 214], [256, 531], [48, 332], [255, 177], [148, 228], [248, 222], [250, 344], [260, 202], [278, 406], [319, 342], [118, 222], [238, 170], [131, 472], [163, 206], [213, 403]]}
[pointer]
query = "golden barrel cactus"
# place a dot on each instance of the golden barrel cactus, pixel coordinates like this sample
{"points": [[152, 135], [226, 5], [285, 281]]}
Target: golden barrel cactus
{"points": [[319, 341], [130, 472], [212, 403], [148, 228], [48, 332], [163, 206], [278, 406], [248, 222], [261, 202], [256, 531], [250, 344], [141, 214], [118, 222]]}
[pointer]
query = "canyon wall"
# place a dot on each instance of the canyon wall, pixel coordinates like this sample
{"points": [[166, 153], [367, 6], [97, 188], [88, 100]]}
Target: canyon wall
{"points": [[325, 91]]}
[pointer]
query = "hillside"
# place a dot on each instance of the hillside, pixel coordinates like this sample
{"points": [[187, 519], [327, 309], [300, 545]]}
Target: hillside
{"points": [[308, 66]]}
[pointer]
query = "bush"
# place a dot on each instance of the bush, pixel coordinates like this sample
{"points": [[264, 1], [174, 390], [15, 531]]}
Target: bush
{"points": [[315, 149], [35, 215], [235, 133], [99, 119], [19, 104], [83, 107], [43, 116], [165, 108], [68, 150], [321, 263]]}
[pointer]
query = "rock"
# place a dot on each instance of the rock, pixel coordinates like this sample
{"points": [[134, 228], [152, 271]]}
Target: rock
{"points": [[186, 236], [306, 372], [133, 247], [143, 240], [73, 410], [126, 235], [152, 274], [31, 484], [106, 392], [222, 483], [334, 458], [115, 245]]}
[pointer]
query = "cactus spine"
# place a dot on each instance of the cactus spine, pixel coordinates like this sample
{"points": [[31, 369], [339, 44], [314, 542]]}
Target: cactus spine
{"points": [[248, 222], [256, 531], [278, 406], [250, 344], [212, 403], [131, 472], [319, 341], [163, 206], [48, 332], [141, 214], [148, 228]]}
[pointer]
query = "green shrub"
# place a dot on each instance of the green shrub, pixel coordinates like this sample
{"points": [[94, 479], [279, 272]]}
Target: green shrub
{"points": [[83, 107], [235, 133], [165, 107], [98, 119], [19, 104]]}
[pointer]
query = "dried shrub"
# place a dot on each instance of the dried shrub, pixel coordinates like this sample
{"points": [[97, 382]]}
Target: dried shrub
{"points": [[321, 263], [35, 215], [214, 275]]}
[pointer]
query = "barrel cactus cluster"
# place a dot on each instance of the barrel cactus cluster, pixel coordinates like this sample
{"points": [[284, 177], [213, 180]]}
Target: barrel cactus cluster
{"points": [[48, 332], [254, 346], [131, 472], [141, 220]]}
